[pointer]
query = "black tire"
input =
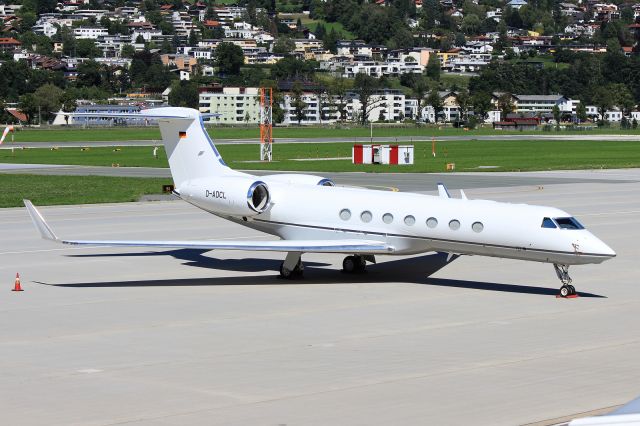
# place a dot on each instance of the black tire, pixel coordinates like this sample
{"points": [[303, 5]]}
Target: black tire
{"points": [[572, 290], [564, 291], [361, 264], [285, 273], [349, 264]]}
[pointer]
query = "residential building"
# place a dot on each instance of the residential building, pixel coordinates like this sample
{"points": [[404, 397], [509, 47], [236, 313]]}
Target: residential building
{"points": [[384, 105], [181, 62], [90, 32], [541, 103], [236, 105], [379, 69], [8, 44]]}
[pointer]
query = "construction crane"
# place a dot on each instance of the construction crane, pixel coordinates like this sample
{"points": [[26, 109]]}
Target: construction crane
{"points": [[266, 120]]}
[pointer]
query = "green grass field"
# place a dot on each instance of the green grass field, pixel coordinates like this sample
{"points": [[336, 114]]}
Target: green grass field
{"points": [[340, 29], [344, 131], [51, 190], [467, 155]]}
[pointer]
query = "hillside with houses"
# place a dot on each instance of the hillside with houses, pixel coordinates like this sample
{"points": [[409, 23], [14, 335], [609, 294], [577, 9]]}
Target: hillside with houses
{"points": [[515, 64]]}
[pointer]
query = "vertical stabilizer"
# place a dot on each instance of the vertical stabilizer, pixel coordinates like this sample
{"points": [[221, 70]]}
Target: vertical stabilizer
{"points": [[190, 150]]}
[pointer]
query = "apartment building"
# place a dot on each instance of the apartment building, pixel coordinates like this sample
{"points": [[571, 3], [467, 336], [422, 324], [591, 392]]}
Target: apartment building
{"points": [[90, 32], [236, 105], [378, 69], [541, 103]]}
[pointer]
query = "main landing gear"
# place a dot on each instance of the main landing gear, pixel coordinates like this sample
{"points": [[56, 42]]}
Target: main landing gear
{"points": [[354, 264], [292, 267], [567, 290]]}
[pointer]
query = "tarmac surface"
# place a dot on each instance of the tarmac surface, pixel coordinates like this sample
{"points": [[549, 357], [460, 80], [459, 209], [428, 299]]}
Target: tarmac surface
{"points": [[361, 139], [172, 337]]}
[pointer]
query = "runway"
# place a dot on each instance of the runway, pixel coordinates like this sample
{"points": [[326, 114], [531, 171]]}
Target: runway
{"points": [[174, 337], [358, 139]]}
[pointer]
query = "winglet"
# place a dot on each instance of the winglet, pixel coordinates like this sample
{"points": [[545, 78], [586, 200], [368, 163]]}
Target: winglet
{"points": [[39, 222], [443, 191]]}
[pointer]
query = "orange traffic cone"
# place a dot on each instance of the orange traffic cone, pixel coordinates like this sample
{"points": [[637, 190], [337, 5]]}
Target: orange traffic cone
{"points": [[17, 286]]}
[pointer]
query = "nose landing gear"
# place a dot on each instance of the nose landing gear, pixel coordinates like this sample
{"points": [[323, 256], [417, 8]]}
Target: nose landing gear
{"points": [[567, 290]]}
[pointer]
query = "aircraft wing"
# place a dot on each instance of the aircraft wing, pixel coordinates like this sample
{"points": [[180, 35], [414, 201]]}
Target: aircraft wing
{"points": [[306, 246]]}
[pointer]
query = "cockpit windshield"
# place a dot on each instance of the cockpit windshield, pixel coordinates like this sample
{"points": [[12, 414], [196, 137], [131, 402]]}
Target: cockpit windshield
{"points": [[568, 223], [548, 223]]}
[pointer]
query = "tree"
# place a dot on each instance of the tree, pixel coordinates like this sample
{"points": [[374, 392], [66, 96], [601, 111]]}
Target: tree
{"points": [[581, 112], [42, 103], [184, 93], [291, 68], [505, 104], [128, 51], [89, 74], [338, 95], [366, 86], [481, 102], [284, 46], [229, 58], [470, 24], [464, 101], [419, 90], [603, 98], [330, 41], [433, 67], [69, 103], [623, 98], [435, 101], [193, 38], [28, 105], [48, 99], [556, 115], [86, 48], [296, 101]]}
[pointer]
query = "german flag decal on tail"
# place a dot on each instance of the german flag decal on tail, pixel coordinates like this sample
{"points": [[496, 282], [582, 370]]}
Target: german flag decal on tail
{"points": [[182, 135]]}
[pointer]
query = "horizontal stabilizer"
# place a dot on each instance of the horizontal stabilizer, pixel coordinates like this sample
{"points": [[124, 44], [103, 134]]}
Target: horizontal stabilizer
{"points": [[39, 222], [305, 246]]}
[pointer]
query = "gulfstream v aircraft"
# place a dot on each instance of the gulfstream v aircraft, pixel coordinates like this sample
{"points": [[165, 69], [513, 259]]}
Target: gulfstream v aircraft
{"points": [[311, 215]]}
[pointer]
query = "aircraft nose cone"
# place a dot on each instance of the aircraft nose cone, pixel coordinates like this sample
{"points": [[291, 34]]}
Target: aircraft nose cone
{"points": [[602, 249]]}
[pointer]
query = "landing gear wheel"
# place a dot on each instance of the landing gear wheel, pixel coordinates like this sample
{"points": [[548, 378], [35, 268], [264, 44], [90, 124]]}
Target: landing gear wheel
{"points": [[285, 273], [562, 271], [354, 264], [349, 264], [288, 274]]}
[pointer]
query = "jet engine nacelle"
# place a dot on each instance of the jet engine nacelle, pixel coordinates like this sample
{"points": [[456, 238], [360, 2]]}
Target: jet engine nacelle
{"points": [[233, 195], [299, 179]]}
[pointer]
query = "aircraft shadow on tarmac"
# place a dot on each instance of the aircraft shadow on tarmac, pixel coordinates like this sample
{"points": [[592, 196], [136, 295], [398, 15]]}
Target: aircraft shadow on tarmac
{"points": [[416, 270], [196, 258]]}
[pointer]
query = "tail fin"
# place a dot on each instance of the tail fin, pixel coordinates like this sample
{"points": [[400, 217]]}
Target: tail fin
{"points": [[190, 150]]}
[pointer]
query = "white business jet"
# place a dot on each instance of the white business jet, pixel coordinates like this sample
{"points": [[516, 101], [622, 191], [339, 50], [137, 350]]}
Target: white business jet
{"points": [[311, 215]]}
